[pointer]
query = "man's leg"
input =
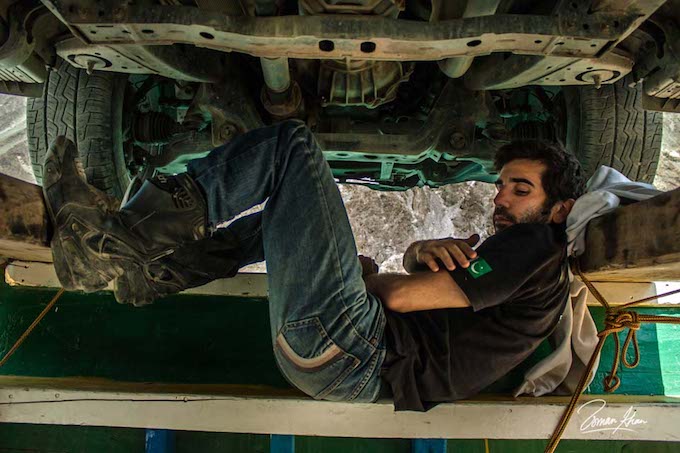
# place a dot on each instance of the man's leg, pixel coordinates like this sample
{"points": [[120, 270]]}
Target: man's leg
{"points": [[327, 330], [248, 233]]}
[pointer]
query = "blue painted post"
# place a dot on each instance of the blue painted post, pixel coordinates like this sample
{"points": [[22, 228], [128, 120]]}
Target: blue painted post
{"points": [[428, 446], [281, 443], [160, 441]]}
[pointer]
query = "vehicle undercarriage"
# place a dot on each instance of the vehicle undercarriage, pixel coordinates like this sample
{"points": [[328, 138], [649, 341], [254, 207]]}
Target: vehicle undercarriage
{"points": [[399, 93]]}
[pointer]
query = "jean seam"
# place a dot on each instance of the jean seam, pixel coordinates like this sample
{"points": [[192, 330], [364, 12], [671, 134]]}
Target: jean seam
{"points": [[376, 355], [366, 341], [367, 376], [380, 330], [319, 187], [317, 179], [340, 379]]}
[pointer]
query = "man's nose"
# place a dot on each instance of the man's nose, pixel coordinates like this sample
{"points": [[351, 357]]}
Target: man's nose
{"points": [[501, 198]]}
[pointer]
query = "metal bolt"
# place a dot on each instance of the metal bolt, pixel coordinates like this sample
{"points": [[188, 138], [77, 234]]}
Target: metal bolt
{"points": [[457, 140], [227, 132], [597, 81]]}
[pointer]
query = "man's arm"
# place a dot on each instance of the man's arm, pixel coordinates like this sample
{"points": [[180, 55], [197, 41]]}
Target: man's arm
{"points": [[416, 292]]}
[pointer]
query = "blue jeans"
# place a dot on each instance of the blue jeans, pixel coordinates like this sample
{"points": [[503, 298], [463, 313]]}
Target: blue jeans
{"points": [[327, 331]]}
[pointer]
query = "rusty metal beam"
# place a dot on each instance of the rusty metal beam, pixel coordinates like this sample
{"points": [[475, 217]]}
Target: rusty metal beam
{"points": [[341, 36], [24, 228], [639, 242]]}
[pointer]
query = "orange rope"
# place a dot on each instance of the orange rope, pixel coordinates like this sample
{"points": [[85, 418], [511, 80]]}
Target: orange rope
{"points": [[31, 327], [616, 320]]}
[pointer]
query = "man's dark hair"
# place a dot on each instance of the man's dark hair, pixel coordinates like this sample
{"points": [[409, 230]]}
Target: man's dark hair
{"points": [[563, 176]]}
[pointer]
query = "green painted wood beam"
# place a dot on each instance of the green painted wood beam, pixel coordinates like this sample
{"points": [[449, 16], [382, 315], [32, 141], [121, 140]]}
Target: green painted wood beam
{"points": [[78, 439], [218, 340]]}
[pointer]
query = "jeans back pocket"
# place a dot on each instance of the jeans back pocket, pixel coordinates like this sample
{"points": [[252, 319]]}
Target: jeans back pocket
{"points": [[309, 358]]}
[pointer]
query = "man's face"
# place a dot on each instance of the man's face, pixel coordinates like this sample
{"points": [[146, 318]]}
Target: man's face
{"points": [[520, 198]]}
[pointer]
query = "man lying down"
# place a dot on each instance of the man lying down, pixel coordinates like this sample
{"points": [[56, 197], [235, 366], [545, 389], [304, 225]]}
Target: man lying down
{"points": [[457, 322]]}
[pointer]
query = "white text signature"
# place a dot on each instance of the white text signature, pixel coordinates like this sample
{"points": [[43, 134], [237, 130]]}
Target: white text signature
{"points": [[594, 423]]}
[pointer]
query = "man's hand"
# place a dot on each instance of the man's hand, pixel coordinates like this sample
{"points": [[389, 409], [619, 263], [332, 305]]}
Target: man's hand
{"points": [[450, 252], [368, 266]]}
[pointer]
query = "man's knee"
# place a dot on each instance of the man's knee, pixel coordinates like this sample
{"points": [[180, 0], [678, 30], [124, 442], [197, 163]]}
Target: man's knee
{"points": [[295, 132]]}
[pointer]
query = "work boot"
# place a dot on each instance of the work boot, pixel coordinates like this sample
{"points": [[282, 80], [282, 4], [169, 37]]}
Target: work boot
{"points": [[191, 265], [93, 243]]}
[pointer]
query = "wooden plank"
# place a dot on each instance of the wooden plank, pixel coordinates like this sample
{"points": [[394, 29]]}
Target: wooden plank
{"points": [[24, 226], [639, 242], [619, 293], [42, 275], [597, 417]]}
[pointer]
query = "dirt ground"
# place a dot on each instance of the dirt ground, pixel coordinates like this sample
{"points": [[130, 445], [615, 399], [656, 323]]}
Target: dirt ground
{"points": [[384, 223]]}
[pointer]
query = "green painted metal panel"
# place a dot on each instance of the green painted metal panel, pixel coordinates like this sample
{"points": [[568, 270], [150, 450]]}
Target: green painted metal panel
{"points": [[581, 446], [19, 438], [182, 339], [208, 339], [200, 442], [16, 438], [669, 353], [310, 444]]}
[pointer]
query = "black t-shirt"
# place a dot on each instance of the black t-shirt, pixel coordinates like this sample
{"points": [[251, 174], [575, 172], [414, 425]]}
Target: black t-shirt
{"points": [[517, 287]]}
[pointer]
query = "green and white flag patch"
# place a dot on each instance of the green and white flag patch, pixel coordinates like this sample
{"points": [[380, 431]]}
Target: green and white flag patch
{"points": [[479, 267]]}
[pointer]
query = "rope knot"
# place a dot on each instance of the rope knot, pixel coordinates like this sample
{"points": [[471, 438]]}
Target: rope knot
{"points": [[617, 321]]}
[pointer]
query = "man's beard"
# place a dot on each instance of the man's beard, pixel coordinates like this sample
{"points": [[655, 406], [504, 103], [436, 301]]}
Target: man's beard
{"points": [[538, 215]]}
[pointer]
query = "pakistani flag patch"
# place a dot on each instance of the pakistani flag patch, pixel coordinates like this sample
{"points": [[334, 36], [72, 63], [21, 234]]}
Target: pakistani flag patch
{"points": [[479, 267]]}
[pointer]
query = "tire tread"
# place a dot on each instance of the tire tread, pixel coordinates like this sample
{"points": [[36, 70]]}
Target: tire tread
{"points": [[79, 106], [616, 131]]}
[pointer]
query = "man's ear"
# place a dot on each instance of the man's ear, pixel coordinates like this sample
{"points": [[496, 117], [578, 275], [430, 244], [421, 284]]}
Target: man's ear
{"points": [[560, 211]]}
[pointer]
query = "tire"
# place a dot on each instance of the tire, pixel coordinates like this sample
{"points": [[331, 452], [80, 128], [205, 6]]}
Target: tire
{"points": [[608, 126], [88, 110]]}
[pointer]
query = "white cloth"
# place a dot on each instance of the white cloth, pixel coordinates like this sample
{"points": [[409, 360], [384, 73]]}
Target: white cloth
{"points": [[604, 192], [575, 337]]}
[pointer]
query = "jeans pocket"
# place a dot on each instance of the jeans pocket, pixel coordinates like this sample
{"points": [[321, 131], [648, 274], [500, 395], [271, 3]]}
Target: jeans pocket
{"points": [[310, 360]]}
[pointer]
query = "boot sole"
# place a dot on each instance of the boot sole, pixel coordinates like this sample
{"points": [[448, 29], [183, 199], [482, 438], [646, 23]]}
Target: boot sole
{"points": [[84, 257]]}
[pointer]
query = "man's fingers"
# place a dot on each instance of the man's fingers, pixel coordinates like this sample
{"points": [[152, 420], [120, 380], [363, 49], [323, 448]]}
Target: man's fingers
{"points": [[431, 263], [444, 255], [459, 256]]}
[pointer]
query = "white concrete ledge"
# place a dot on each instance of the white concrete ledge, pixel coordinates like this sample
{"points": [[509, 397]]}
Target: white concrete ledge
{"points": [[42, 275], [20, 273], [604, 418]]}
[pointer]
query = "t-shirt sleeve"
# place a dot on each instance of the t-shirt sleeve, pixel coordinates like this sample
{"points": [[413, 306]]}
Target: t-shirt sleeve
{"points": [[506, 264]]}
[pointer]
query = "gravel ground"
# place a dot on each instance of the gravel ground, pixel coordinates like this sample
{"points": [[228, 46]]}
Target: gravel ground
{"points": [[13, 149], [384, 223]]}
